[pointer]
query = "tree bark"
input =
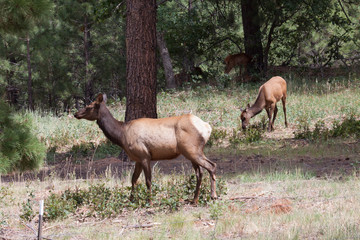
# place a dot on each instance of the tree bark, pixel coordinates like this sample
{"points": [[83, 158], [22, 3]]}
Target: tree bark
{"points": [[89, 91], [29, 83], [252, 34], [165, 56], [140, 59]]}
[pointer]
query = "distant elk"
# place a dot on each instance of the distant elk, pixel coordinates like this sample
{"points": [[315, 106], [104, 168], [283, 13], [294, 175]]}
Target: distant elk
{"points": [[147, 139], [241, 60], [269, 94]]}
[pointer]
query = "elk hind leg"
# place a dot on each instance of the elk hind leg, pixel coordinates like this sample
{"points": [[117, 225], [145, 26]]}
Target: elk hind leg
{"points": [[273, 121], [198, 173], [211, 168], [147, 172]]}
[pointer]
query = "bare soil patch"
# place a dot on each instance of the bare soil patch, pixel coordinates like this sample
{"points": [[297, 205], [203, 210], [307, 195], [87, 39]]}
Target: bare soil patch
{"points": [[322, 167]]}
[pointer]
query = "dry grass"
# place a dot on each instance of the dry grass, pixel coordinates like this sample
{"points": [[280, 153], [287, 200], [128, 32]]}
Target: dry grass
{"points": [[296, 208]]}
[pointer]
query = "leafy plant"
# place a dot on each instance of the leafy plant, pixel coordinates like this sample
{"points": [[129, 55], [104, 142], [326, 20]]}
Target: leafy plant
{"points": [[350, 127], [27, 207], [101, 201]]}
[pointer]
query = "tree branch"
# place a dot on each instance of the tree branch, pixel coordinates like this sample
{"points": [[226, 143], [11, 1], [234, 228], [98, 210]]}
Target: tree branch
{"points": [[342, 7]]}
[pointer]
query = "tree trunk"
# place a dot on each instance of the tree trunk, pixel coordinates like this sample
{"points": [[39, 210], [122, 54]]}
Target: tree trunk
{"points": [[89, 91], [140, 59], [29, 83], [268, 44], [165, 56], [252, 34]]}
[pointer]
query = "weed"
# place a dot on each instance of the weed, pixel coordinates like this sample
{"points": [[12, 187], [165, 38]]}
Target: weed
{"points": [[217, 135], [101, 201], [27, 207], [217, 209], [350, 127]]}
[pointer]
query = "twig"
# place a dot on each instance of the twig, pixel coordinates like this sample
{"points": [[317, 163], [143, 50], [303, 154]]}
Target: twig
{"points": [[143, 225], [244, 198], [31, 228]]}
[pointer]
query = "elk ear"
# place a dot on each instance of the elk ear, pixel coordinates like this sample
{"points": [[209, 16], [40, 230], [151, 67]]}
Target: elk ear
{"points": [[99, 98]]}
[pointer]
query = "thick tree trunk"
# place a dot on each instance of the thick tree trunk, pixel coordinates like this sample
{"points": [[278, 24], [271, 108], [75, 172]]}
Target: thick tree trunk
{"points": [[165, 56], [89, 91], [252, 34], [29, 83], [140, 59]]}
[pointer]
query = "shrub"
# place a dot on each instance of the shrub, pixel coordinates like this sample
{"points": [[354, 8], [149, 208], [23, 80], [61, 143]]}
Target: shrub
{"points": [[101, 201], [350, 127], [19, 147]]}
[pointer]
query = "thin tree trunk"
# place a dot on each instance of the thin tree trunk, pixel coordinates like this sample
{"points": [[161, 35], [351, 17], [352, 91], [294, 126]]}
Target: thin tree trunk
{"points": [[29, 83], [268, 44], [252, 34], [165, 56], [140, 59], [89, 92]]}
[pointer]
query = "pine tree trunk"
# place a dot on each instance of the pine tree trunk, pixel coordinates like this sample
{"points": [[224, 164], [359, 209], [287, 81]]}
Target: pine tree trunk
{"points": [[89, 92], [252, 34], [29, 83], [165, 56], [140, 59]]}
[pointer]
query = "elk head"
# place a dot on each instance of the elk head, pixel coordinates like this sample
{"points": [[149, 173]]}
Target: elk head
{"points": [[91, 111], [245, 117]]}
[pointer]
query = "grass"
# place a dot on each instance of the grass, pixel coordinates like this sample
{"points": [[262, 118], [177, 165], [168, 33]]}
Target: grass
{"points": [[283, 198], [285, 205], [307, 100]]}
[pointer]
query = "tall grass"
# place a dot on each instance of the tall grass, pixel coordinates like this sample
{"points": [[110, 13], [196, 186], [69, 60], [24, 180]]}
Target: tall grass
{"points": [[307, 99]]}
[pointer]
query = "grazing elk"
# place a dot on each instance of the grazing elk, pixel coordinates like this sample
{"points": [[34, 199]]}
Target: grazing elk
{"points": [[240, 59], [148, 139], [269, 94]]}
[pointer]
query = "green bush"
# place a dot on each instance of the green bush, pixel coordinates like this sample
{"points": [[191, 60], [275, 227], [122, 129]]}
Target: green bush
{"points": [[101, 201], [350, 127], [19, 147]]}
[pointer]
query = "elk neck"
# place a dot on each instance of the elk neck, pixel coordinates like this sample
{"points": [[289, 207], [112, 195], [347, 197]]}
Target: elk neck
{"points": [[112, 128], [259, 104]]}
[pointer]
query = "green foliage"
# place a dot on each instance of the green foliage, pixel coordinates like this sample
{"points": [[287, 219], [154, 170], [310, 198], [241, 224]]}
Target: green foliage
{"points": [[27, 211], [350, 127], [216, 136], [19, 147], [217, 209], [58, 207], [102, 201]]}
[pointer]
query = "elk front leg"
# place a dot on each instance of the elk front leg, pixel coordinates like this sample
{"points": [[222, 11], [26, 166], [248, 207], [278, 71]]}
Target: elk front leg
{"points": [[273, 121], [270, 112], [135, 177]]}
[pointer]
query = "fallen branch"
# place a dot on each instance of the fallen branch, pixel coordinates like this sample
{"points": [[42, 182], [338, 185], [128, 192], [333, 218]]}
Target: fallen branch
{"points": [[143, 225]]}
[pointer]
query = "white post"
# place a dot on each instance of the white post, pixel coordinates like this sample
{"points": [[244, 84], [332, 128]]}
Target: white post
{"points": [[41, 213]]}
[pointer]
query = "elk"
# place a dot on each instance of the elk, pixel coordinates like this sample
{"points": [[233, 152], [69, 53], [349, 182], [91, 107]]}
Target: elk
{"points": [[147, 139], [240, 59], [269, 94]]}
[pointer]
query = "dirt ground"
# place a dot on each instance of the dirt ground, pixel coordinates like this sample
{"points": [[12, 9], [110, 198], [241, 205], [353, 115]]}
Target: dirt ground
{"points": [[322, 167]]}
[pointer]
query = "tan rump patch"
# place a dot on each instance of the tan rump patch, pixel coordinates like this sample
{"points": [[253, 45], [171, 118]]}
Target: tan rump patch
{"points": [[203, 127]]}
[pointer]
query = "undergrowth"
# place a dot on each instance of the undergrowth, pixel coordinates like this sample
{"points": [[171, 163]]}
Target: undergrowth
{"points": [[100, 201], [349, 127]]}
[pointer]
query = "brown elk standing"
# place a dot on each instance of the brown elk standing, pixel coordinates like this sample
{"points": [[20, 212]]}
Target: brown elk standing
{"points": [[147, 139], [269, 94], [240, 59]]}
